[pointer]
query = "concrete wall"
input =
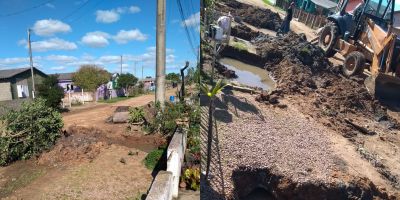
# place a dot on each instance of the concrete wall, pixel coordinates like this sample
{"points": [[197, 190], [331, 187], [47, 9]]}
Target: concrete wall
{"points": [[175, 157], [5, 91]]}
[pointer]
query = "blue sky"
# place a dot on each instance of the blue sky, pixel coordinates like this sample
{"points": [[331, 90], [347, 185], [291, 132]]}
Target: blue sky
{"points": [[68, 33]]}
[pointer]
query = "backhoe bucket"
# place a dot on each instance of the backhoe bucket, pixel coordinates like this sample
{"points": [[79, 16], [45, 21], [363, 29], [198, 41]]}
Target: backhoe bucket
{"points": [[384, 87]]}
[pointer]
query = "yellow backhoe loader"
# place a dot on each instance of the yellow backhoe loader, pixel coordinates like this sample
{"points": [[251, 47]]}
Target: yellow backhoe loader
{"points": [[367, 40]]}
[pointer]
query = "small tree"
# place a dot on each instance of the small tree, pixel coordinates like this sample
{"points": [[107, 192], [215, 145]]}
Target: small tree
{"points": [[127, 80], [211, 93], [51, 91], [90, 77], [173, 77]]}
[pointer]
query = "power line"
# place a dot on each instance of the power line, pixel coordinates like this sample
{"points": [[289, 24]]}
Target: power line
{"points": [[76, 10], [85, 13], [186, 28], [26, 9]]}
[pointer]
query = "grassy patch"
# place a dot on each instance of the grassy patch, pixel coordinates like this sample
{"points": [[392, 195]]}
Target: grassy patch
{"points": [[239, 46], [152, 158], [23, 180], [114, 100]]}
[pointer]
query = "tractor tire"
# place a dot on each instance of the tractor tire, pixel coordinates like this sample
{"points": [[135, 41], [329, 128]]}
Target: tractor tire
{"points": [[328, 38], [353, 64]]}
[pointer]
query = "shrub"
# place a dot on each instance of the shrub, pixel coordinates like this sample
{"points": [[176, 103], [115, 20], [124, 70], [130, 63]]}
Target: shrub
{"points": [[165, 121], [51, 91], [136, 114], [28, 131], [191, 177]]}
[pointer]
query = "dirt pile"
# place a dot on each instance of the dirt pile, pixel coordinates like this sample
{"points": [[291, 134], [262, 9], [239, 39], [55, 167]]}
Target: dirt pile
{"points": [[258, 17], [301, 68], [78, 143]]}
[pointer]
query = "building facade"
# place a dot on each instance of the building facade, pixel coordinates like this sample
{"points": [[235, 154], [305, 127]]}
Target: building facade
{"points": [[17, 83]]}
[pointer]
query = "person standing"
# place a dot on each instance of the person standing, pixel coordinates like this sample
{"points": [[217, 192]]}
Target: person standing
{"points": [[285, 27]]}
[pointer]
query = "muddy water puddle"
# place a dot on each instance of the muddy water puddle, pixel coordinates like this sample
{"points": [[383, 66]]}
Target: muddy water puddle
{"points": [[248, 74]]}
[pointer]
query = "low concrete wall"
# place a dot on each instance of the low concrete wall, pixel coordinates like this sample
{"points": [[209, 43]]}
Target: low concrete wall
{"points": [[176, 154], [175, 157], [161, 187]]}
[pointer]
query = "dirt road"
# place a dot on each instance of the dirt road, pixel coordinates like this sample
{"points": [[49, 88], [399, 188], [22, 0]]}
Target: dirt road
{"points": [[91, 163]]}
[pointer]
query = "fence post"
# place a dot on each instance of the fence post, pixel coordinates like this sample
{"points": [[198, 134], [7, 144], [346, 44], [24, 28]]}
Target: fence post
{"points": [[313, 21], [308, 14]]}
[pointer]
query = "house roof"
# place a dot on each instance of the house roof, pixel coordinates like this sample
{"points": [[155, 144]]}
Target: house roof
{"points": [[64, 76], [325, 3], [8, 73], [148, 79]]}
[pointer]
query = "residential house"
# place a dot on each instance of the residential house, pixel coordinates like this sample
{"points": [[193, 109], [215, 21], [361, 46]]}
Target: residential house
{"points": [[65, 81], [149, 83], [17, 83]]}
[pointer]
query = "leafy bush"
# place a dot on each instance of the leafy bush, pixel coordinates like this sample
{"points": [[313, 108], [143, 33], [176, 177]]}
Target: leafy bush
{"points": [[153, 157], [191, 177], [28, 131], [136, 114], [165, 121], [51, 91]]}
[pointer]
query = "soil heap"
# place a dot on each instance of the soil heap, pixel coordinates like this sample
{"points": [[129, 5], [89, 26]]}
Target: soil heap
{"points": [[258, 17]]}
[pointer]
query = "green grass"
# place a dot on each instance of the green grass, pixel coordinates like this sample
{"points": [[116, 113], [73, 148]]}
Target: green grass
{"points": [[239, 46], [113, 100], [152, 158], [23, 180]]}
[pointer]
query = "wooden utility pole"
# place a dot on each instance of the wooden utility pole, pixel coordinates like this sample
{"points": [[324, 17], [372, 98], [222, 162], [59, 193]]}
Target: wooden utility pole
{"points": [[121, 64], [160, 53], [31, 63]]}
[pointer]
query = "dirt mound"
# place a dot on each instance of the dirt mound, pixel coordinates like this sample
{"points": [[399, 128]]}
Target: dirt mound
{"points": [[78, 143], [258, 17], [301, 68]]}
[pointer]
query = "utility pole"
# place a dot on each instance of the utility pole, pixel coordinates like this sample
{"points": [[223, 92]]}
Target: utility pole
{"points": [[134, 68], [160, 53], [121, 64], [31, 63], [142, 72]]}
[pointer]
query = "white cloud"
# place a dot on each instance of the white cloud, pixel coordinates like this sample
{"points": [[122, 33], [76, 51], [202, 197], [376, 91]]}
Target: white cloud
{"points": [[113, 15], [61, 58], [110, 59], [53, 44], [192, 21], [50, 5], [59, 68], [12, 61], [22, 42], [170, 58], [49, 27], [124, 36], [96, 39], [134, 9], [107, 16]]}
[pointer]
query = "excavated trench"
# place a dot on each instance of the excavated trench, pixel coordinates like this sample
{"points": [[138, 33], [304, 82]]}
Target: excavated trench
{"points": [[301, 69], [262, 183]]}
